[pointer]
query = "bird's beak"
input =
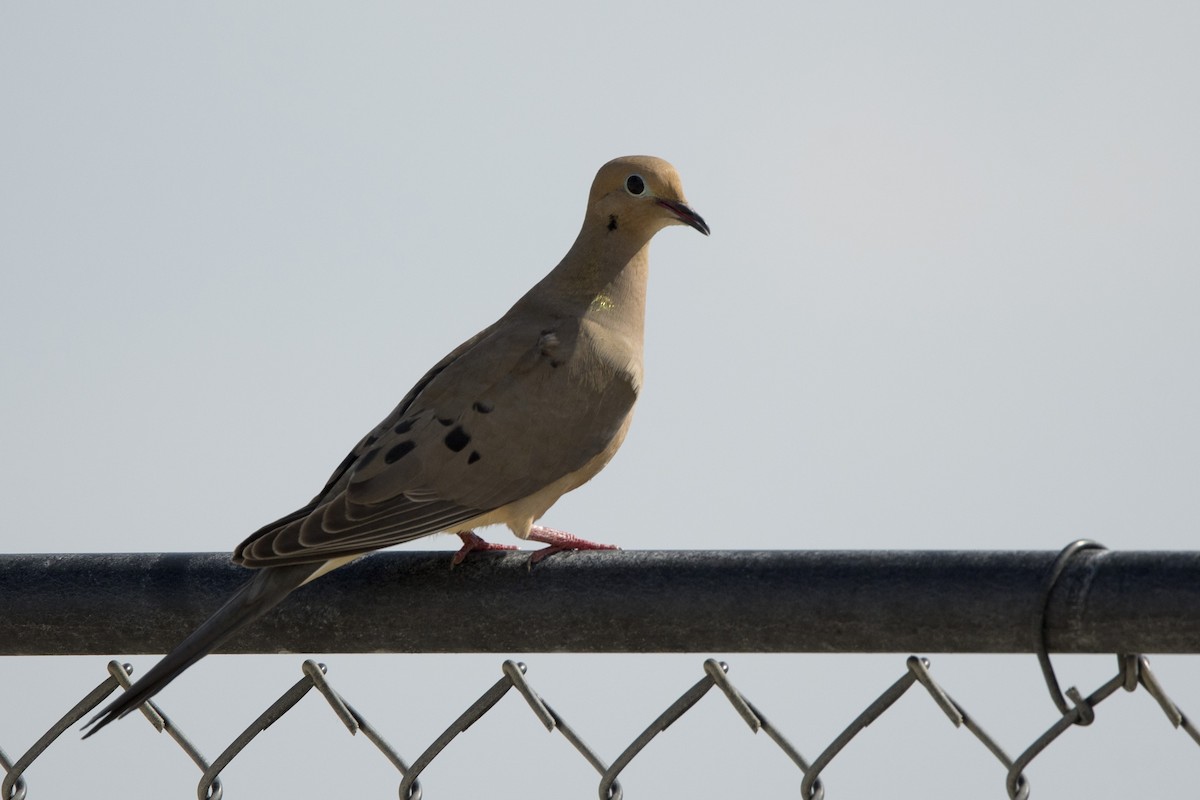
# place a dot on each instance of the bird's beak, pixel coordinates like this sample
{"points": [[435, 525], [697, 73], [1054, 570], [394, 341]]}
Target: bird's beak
{"points": [[685, 215]]}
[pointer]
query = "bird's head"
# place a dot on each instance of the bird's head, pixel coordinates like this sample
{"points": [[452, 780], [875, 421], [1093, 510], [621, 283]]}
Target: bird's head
{"points": [[640, 195]]}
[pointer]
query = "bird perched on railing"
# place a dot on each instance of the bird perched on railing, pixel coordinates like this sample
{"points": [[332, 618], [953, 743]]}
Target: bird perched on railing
{"points": [[526, 410]]}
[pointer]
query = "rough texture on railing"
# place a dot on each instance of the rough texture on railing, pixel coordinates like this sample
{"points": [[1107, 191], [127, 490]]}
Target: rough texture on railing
{"points": [[632, 601]]}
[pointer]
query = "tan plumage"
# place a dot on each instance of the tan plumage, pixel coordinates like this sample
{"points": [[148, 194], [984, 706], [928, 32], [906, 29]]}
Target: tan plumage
{"points": [[526, 410]]}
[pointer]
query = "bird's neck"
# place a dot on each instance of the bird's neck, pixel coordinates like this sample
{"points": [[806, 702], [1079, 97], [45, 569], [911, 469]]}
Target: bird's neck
{"points": [[602, 277]]}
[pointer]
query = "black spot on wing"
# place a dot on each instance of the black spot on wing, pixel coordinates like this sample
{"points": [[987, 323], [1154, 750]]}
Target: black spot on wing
{"points": [[405, 426], [482, 407], [457, 439], [471, 459], [447, 421], [398, 452], [367, 457]]}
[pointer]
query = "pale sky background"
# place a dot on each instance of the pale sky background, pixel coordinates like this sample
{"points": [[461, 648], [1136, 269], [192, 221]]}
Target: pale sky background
{"points": [[950, 301]]}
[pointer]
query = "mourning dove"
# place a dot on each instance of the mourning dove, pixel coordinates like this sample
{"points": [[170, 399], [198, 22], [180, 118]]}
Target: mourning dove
{"points": [[526, 410]]}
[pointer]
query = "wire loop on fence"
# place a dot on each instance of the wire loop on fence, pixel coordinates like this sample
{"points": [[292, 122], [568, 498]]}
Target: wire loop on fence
{"points": [[14, 789], [1039, 621]]}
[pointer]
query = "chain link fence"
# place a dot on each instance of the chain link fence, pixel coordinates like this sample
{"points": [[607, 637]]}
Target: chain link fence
{"points": [[1074, 709], [1133, 672]]}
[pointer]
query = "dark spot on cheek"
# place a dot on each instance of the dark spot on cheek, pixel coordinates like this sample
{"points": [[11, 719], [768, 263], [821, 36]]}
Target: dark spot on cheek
{"points": [[471, 459], [612, 222], [405, 426], [482, 407], [555, 364], [398, 452], [457, 439]]}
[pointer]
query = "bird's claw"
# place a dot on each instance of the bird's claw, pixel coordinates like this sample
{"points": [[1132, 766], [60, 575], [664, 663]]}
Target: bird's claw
{"points": [[473, 542], [558, 541]]}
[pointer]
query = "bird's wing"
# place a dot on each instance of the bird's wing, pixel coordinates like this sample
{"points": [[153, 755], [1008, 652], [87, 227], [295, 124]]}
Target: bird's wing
{"points": [[509, 412]]}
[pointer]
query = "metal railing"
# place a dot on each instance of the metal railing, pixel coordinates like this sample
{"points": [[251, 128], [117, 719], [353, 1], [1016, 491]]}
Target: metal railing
{"points": [[1083, 599]]}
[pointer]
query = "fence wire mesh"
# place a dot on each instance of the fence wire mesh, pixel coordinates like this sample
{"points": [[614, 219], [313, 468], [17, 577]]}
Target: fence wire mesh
{"points": [[1072, 706], [1133, 671]]}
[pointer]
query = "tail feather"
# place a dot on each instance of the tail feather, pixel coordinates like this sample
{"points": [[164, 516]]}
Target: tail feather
{"points": [[256, 597]]}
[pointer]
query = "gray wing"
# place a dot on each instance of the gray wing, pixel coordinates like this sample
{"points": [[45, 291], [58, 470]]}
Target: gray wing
{"points": [[507, 413]]}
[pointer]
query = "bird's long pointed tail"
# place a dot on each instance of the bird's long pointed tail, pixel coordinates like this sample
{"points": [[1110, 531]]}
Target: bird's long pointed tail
{"points": [[256, 597]]}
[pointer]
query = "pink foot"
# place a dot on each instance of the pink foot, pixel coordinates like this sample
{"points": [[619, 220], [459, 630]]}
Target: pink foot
{"points": [[559, 541], [472, 542]]}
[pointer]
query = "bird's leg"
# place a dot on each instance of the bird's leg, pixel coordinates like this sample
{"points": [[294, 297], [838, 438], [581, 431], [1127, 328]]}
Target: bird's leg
{"points": [[559, 541], [471, 542]]}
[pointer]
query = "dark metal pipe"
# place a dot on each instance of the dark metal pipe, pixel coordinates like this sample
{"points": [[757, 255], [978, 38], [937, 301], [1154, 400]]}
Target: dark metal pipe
{"points": [[629, 601]]}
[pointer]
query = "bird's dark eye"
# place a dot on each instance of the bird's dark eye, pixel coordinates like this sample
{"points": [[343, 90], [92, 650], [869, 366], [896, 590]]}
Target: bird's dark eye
{"points": [[635, 185]]}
